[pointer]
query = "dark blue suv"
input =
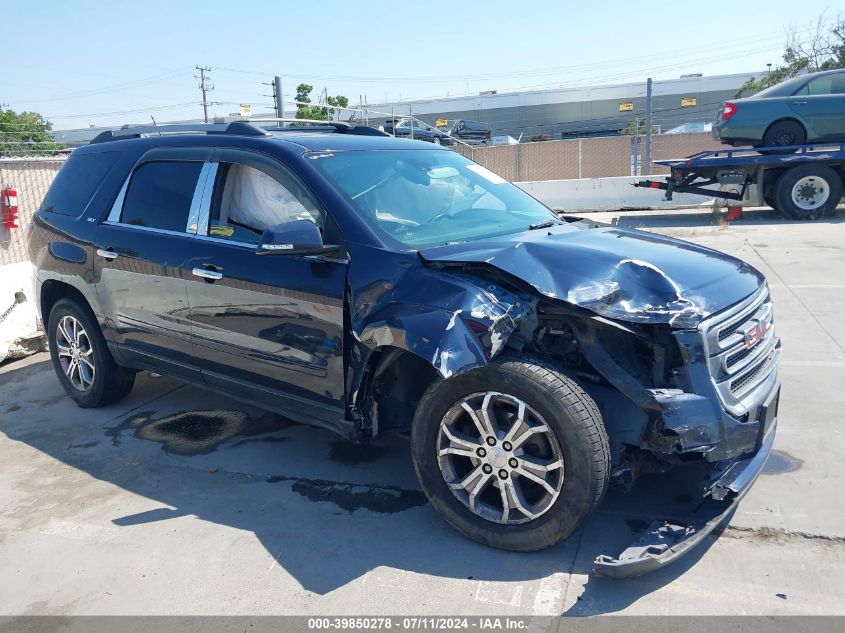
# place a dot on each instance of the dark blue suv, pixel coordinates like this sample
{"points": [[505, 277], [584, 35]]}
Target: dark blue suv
{"points": [[373, 285]]}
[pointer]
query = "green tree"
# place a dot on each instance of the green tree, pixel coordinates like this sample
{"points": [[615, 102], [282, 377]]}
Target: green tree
{"points": [[305, 110], [822, 49], [25, 134]]}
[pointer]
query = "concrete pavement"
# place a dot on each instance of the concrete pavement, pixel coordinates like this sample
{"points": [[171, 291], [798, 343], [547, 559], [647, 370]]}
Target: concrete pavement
{"points": [[177, 501]]}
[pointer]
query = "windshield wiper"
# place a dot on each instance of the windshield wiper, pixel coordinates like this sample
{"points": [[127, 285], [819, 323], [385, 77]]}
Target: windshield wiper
{"points": [[543, 225]]}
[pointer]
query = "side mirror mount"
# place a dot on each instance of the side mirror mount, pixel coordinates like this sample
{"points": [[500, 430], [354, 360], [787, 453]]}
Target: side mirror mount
{"points": [[298, 237]]}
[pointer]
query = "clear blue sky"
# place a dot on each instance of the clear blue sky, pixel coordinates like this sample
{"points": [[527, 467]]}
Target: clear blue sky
{"points": [[107, 63]]}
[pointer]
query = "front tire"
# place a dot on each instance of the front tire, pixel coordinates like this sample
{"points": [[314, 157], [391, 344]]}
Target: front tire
{"points": [[513, 455], [81, 358]]}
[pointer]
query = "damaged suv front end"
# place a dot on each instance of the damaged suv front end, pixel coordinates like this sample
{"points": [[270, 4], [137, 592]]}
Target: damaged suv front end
{"points": [[679, 376], [674, 343]]}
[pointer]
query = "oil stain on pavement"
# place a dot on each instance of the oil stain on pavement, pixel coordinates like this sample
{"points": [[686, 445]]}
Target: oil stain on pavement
{"points": [[196, 432], [351, 497], [201, 432], [350, 454]]}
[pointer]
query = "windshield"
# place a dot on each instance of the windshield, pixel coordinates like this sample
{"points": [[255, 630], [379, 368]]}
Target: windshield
{"points": [[429, 197]]}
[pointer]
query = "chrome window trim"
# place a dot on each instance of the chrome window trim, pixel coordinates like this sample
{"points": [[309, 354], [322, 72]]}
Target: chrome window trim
{"points": [[195, 210], [116, 208], [223, 240], [148, 229], [198, 198], [204, 207]]}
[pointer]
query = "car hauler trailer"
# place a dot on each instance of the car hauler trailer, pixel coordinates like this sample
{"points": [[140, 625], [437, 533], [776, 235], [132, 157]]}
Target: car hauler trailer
{"points": [[802, 182]]}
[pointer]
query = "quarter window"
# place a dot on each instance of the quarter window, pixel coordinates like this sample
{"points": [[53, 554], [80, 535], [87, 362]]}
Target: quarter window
{"points": [[160, 194], [77, 182]]}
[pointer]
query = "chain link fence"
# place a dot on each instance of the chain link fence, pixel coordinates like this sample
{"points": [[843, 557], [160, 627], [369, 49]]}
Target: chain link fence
{"points": [[31, 177], [601, 157]]}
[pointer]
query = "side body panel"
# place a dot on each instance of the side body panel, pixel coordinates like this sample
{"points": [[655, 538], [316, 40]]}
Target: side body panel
{"points": [[143, 295], [823, 115], [272, 326]]}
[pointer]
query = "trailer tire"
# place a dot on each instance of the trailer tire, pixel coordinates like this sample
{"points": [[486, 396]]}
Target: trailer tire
{"points": [[770, 181], [772, 203], [808, 192]]}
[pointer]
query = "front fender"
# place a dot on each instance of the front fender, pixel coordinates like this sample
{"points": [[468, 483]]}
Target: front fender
{"points": [[438, 336], [453, 321]]}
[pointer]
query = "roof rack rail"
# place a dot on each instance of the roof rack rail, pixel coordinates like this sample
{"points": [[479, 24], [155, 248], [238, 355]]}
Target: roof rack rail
{"points": [[244, 128], [319, 125]]}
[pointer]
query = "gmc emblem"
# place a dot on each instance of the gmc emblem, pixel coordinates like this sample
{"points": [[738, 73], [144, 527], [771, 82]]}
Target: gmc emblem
{"points": [[757, 332]]}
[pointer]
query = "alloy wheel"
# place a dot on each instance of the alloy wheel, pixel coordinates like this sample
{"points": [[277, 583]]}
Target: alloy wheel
{"points": [[785, 138], [76, 354], [500, 458]]}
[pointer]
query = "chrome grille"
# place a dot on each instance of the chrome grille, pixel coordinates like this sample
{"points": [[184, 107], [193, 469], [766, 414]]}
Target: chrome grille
{"points": [[742, 350]]}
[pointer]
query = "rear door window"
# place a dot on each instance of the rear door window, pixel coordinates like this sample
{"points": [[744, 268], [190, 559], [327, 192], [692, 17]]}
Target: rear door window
{"points": [[160, 194], [77, 182]]}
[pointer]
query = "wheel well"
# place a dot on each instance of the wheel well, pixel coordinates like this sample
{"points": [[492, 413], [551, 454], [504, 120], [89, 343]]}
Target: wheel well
{"points": [[52, 291], [398, 380], [796, 121], [840, 170]]}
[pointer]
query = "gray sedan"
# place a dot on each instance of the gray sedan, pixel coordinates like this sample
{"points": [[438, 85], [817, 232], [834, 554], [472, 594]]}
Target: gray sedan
{"points": [[805, 109]]}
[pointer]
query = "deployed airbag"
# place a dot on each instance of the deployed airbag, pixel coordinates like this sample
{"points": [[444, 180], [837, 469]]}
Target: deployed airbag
{"points": [[258, 200]]}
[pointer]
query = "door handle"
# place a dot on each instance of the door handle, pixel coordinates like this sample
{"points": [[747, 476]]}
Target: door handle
{"points": [[107, 253], [799, 103], [211, 275]]}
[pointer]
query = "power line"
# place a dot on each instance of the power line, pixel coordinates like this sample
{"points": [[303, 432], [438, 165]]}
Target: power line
{"points": [[135, 83], [173, 106], [690, 51]]}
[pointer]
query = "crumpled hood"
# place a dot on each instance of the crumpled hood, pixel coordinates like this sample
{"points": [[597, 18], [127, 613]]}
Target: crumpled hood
{"points": [[618, 273]]}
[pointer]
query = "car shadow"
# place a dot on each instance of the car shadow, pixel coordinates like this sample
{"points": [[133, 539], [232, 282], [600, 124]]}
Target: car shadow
{"points": [[327, 511]]}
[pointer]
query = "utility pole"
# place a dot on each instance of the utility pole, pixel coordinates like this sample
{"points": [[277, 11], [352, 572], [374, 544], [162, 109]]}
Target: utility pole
{"points": [[635, 149], [277, 93], [649, 124], [206, 87], [325, 101], [278, 106]]}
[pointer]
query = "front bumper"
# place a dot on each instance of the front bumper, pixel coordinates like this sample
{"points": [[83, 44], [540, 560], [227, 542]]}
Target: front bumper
{"points": [[663, 542]]}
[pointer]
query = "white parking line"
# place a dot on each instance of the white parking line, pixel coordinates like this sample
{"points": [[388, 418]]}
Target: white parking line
{"points": [[549, 597]]}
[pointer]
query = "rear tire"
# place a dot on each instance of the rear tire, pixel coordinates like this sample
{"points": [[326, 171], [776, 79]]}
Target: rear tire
{"points": [[566, 429], [808, 192], [783, 133], [81, 358]]}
